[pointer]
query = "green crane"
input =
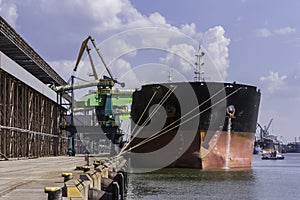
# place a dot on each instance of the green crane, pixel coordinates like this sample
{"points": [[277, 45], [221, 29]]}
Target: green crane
{"points": [[103, 107]]}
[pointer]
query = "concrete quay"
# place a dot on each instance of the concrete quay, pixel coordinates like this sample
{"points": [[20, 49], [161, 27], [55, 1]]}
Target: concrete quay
{"points": [[26, 179]]}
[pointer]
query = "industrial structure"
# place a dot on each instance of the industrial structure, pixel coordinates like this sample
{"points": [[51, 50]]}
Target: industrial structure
{"points": [[29, 111]]}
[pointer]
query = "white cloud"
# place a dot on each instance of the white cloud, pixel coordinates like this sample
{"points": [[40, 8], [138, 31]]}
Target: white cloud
{"points": [[216, 61], [106, 15], [264, 32], [285, 31], [216, 44], [74, 20], [189, 29], [64, 67], [273, 82], [125, 73], [157, 18], [8, 11], [181, 48], [181, 57]]}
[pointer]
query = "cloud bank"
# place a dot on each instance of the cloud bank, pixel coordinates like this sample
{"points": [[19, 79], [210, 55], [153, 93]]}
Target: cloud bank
{"points": [[273, 82], [265, 32], [64, 24]]}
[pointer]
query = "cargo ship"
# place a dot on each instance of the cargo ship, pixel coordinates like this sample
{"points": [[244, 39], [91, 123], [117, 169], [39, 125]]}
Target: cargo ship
{"points": [[206, 125]]}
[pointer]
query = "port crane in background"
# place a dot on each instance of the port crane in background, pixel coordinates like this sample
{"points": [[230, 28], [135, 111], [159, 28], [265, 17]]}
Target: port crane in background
{"points": [[103, 108], [264, 131], [268, 142]]}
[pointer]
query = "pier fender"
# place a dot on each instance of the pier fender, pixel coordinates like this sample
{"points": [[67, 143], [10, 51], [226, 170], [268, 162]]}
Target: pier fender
{"points": [[95, 194], [116, 190], [123, 171], [119, 178], [112, 174], [121, 183], [112, 186], [106, 184]]}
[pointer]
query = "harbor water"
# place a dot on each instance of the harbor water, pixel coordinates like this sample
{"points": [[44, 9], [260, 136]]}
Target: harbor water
{"points": [[266, 180]]}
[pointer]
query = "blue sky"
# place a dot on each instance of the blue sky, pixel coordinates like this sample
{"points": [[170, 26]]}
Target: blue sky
{"points": [[254, 42]]}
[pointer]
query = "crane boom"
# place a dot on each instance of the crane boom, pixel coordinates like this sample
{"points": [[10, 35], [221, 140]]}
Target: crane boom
{"points": [[76, 86], [269, 125], [84, 46], [92, 63], [100, 56], [106, 67]]}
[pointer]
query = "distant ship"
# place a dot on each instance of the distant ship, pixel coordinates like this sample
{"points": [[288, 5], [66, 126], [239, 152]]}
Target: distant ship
{"points": [[215, 143], [266, 142]]}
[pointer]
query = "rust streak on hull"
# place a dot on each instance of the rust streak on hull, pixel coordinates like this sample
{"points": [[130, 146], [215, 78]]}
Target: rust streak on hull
{"points": [[240, 154]]}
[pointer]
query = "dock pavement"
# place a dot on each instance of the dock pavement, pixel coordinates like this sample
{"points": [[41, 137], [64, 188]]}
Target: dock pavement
{"points": [[27, 178]]}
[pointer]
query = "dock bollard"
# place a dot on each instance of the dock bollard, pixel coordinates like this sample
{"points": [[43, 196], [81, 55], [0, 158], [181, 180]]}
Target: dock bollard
{"points": [[67, 176], [54, 193], [86, 168], [96, 163]]}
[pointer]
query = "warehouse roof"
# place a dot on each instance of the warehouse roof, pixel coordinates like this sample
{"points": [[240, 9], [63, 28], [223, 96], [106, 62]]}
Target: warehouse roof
{"points": [[15, 47]]}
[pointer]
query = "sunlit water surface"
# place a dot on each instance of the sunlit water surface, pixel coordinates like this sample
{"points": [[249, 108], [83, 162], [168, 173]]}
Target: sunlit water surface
{"points": [[267, 180]]}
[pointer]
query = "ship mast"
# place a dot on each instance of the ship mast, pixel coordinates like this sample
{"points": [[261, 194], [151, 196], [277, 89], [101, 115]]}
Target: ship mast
{"points": [[199, 75]]}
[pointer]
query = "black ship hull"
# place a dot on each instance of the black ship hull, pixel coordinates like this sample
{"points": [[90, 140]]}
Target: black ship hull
{"points": [[194, 124]]}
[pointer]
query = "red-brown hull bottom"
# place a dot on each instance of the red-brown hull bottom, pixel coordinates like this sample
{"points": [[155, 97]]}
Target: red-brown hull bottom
{"points": [[234, 151], [218, 155]]}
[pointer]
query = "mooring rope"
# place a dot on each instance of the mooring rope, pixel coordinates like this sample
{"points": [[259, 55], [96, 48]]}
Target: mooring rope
{"points": [[179, 118], [162, 101], [158, 134], [144, 111], [165, 97], [126, 145], [197, 107]]}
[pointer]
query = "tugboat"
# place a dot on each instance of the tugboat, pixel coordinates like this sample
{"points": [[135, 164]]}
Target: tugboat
{"points": [[272, 156]]}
